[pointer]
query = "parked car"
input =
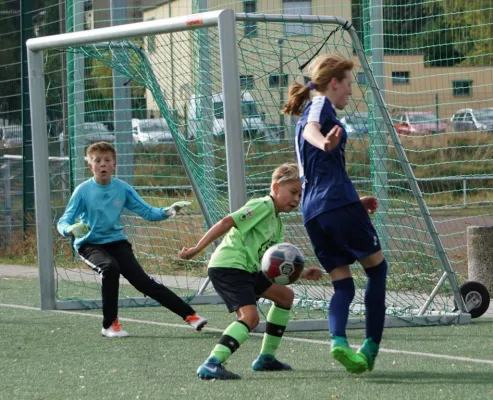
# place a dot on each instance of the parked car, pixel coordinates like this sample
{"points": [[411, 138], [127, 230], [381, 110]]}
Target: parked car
{"points": [[151, 132], [417, 122], [253, 122], [94, 132], [469, 119], [11, 135], [356, 125]]}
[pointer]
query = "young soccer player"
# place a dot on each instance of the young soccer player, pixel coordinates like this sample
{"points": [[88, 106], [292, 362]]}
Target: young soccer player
{"points": [[234, 272], [102, 245], [335, 217]]}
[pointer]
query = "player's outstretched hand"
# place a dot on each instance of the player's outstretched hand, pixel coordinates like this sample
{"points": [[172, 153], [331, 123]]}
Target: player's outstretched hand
{"points": [[370, 204], [78, 230], [333, 138], [174, 209], [187, 253], [312, 274]]}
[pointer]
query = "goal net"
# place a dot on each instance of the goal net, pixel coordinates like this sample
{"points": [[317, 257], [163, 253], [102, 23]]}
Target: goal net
{"points": [[192, 105]]}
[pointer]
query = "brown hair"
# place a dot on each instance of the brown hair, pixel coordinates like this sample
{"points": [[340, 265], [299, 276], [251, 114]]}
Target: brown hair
{"points": [[322, 70], [101, 147], [285, 172]]}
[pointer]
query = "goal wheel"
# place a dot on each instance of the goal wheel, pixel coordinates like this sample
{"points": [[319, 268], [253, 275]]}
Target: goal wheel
{"points": [[476, 297]]}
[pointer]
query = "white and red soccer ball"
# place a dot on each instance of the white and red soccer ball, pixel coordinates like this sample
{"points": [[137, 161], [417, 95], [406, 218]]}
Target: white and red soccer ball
{"points": [[283, 263]]}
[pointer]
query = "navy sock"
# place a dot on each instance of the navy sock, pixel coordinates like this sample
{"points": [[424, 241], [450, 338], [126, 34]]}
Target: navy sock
{"points": [[375, 301], [339, 306]]}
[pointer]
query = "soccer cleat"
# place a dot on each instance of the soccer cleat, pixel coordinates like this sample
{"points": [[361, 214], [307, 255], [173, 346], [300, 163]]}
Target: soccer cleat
{"points": [[196, 321], [212, 368], [114, 331], [268, 362], [369, 350], [353, 362]]}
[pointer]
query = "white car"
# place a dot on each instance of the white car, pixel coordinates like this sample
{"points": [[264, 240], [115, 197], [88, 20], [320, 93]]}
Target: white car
{"points": [[11, 135], [94, 132], [151, 132]]}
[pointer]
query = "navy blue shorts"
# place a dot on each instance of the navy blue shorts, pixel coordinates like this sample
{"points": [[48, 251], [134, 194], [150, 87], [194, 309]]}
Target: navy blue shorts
{"points": [[342, 236], [238, 287]]}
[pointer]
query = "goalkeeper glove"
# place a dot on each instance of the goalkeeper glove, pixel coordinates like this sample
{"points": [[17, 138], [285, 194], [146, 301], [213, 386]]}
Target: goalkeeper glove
{"points": [[175, 208], [78, 230]]}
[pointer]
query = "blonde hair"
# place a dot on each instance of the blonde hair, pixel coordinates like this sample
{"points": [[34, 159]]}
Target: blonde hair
{"points": [[101, 147], [322, 70], [285, 172]]}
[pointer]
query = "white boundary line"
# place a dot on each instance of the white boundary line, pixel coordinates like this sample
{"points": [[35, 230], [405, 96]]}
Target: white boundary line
{"points": [[290, 338]]}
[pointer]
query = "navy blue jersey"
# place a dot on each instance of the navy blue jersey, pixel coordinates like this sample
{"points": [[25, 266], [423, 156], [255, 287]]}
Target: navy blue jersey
{"points": [[326, 184]]}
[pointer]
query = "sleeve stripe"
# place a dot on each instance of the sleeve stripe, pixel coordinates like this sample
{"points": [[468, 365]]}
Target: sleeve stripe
{"points": [[316, 109]]}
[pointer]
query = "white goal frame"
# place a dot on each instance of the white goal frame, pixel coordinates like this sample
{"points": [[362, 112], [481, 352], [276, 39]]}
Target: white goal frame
{"points": [[225, 20]]}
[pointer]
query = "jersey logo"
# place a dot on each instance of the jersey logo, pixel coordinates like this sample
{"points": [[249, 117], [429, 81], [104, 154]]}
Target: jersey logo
{"points": [[117, 203], [247, 214]]}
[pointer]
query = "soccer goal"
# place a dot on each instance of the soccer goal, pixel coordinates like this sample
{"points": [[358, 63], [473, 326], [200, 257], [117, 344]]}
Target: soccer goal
{"points": [[216, 82]]}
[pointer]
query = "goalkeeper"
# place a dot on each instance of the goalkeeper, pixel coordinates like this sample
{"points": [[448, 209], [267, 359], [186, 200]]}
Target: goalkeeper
{"points": [[102, 245]]}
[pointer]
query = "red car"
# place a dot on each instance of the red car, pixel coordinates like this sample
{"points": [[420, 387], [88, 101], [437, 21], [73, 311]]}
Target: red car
{"points": [[413, 123]]}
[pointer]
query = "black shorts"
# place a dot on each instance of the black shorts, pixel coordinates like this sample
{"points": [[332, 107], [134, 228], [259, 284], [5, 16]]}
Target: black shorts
{"points": [[238, 287]]}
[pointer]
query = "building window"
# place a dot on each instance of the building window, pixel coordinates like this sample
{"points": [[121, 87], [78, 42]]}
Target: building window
{"points": [[278, 80], [400, 77], [361, 78], [462, 88], [297, 7], [246, 81], [250, 6]]}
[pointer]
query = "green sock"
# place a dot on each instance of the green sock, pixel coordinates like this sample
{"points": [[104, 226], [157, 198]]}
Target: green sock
{"points": [[233, 337], [277, 320]]}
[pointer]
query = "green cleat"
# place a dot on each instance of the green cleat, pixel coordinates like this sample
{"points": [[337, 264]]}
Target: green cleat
{"points": [[353, 362], [369, 350]]}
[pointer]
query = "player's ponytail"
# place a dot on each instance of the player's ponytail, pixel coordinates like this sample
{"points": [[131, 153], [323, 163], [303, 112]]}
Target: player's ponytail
{"points": [[298, 96], [322, 70]]}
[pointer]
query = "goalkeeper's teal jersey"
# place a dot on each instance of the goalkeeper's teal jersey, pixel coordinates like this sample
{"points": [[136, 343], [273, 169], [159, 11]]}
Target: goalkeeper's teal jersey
{"points": [[257, 228], [100, 207]]}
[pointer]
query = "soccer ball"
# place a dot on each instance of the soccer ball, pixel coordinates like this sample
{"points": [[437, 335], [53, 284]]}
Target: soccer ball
{"points": [[283, 263]]}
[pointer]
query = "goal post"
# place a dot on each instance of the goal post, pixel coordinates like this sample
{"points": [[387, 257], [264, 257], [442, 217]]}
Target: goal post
{"points": [[221, 105], [226, 23]]}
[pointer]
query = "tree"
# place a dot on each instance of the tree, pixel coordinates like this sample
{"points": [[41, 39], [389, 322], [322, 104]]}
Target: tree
{"points": [[100, 82], [471, 29], [437, 44], [402, 20]]}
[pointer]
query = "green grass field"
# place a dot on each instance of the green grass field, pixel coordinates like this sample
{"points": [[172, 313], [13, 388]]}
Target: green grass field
{"points": [[61, 355]]}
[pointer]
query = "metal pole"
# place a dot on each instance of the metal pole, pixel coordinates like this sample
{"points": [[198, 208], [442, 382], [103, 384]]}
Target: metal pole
{"points": [[281, 88], [122, 100], [172, 66], [7, 201], [63, 55], [235, 154], [26, 32], [436, 107], [379, 148], [78, 105], [44, 231]]}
